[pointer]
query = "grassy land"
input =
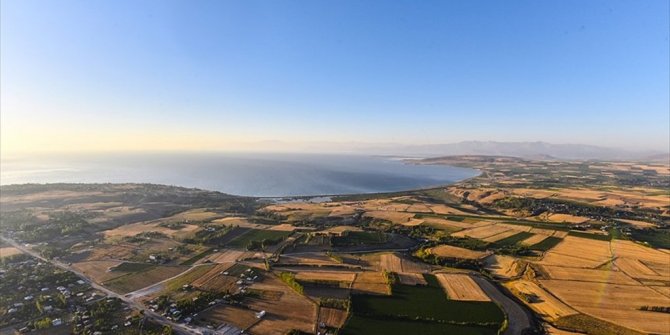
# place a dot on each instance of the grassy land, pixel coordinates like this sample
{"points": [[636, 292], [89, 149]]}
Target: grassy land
{"points": [[137, 280], [358, 325], [198, 257], [132, 267], [427, 303], [257, 237], [514, 239], [657, 238], [546, 244], [188, 277], [359, 238]]}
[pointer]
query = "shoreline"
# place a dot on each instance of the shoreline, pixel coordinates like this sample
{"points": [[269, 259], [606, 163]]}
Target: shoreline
{"points": [[261, 198]]}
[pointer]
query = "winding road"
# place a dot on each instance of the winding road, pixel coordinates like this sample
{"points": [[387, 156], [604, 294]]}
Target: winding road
{"points": [[518, 318]]}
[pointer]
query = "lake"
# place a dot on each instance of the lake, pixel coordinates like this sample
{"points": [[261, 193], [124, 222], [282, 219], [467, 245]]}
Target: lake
{"points": [[265, 175]]}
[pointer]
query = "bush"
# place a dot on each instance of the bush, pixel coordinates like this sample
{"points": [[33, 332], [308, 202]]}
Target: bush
{"points": [[289, 279]]}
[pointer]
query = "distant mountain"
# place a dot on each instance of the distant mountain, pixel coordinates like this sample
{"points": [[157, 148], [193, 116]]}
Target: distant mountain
{"points": [[529, 150], [661, 158]]}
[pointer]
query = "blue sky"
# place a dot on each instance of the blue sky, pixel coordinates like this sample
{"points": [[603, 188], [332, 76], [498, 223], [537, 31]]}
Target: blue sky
{"points": [[99, 75]]}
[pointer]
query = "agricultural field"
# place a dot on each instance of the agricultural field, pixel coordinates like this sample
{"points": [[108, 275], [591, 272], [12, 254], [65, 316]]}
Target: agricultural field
{"points": [[255, 238], [331, 317], [100, 271], [461, 287], [176, 230], [619, 304], [137, 280], [391, 216], [355, 238], [579, 252], [534, 240], [345, 278], [502, 266], [8, 252], [609, 280], [582, 245], [286, 308], [540, 300], [448, 251], [242, 318], [215, 280], [359, 325], [398, 264], [371, 283], [225, 256], [426, 304], [411, 278]]}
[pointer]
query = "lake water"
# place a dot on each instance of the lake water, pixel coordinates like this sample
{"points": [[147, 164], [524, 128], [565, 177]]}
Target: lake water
{"points": [[267, 175]]}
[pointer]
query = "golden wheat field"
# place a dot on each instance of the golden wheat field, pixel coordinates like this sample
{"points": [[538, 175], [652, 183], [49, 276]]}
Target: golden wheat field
{"points": [[370, 283], [540, 300], [613, 302], [449, 251], [579, 252], [461, 287]]}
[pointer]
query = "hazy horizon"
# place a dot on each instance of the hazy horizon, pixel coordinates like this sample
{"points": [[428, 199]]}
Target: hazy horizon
{"points": [[238, 75]]}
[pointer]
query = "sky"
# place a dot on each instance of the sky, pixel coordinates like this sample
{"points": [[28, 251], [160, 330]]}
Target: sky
{"points": [[226, 75]]}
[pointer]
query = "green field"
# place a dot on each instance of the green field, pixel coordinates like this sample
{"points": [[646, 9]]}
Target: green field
{"points": [[132, 267], [137, 280], [657, 238], [514, 239], [198, 257], [254, 237], [358, 325], [188, 277], [359, 238], [546, 244], [428, 303]]}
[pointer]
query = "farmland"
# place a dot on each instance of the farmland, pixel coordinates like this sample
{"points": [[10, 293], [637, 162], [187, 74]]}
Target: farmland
{"points": [[137, 280], [8, 252], [358, 325], [461, 287], [371, 283], [255, 239], [426, 304], [579, 254], [448, 251]]}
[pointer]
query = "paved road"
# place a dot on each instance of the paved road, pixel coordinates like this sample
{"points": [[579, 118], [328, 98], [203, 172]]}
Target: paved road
{"points": [[518, 319], [178, 328]]}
